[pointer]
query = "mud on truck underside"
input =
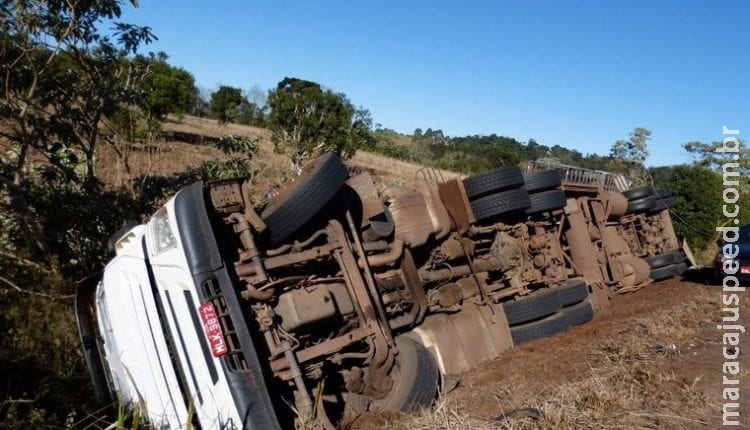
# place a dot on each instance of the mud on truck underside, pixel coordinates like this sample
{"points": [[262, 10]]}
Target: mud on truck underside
{"points": [[350, 296]]}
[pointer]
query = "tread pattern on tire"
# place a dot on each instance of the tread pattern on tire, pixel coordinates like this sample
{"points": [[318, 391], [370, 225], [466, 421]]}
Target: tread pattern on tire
{"points": [[573, 291], [662, 260], [639, 192], [664, 272], [661, 204], [546, 201], [532, 307], [420, 390], [297, 204], [578, 314], [641, 205], [542, 181], [546, 327], [500, 203], [496, 180]]}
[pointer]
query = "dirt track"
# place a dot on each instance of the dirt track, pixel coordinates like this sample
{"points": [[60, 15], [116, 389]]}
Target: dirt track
{"points": [[664, 335]]}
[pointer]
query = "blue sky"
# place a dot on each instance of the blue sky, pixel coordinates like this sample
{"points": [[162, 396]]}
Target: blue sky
{"points": [[580, 74]]}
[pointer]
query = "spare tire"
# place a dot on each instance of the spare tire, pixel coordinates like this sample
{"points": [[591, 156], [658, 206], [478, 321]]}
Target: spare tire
{"points": [[546, 201], [298, 202], [662, 193], [501, 203], [502, 178], [542, 181], [639, 192]]}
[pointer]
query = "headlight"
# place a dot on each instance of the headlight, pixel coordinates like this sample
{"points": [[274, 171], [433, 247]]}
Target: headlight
{"points": [[163, 237]]}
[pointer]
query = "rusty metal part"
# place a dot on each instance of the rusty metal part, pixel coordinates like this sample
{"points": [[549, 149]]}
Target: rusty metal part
{"points": [[410, 279], [229, 196], [461, 341], [383, 348], [634, 271], [397, 249], [364, 186], [304, 307], [456, 202], [456, 247], [250, 252], [441, 221], [583, 252], [297, 245], [410, 215], [616, 204], [304, 403]]}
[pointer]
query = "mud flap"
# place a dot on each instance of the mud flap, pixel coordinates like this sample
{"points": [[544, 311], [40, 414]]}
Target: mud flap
{"points": [[688, 253]]}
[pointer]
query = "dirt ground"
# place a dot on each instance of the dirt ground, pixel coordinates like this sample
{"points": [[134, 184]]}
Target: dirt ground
{"points": [[652, 359]]}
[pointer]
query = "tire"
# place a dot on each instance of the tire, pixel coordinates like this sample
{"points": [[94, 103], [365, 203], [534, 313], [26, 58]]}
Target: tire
{"points": [[500, 179], [546, 201], [499, 204], [415, 385], [662, 193], [639, 192], [573, 291], [546, 327], [578, 314], [662, 204], [320, 180], [533, 307], [679, 257], [665, 272], [542, 181], [641, 205], [381, 226], [681, 268], [662, 260]]}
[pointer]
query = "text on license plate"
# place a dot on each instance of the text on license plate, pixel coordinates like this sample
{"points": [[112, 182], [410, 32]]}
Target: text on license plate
{"points": [[745, 270], [212, 327]]}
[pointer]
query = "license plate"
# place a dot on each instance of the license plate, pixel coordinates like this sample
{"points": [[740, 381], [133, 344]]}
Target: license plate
{"points": [[745, 270], [212, 327]]}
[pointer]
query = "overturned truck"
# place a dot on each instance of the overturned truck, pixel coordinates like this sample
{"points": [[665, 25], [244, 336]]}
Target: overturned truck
{"points": [[342, 296]]}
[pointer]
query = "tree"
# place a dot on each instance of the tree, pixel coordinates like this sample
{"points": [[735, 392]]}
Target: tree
{"points": [[629, 155], [225, 103], [163, 88], [306, 119], [229, 104]]}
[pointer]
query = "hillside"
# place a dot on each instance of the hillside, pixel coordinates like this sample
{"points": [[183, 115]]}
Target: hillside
{"points": [[186, 143]]}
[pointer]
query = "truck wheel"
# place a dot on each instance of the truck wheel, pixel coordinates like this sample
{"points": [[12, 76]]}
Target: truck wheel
{"points": [[499, 204], [415, 379], [662, 193], [578, 314], [641, 205], [533, 307], [681, 268], [664, 259], [573, 291], [502, 178], [639, 192], [320, 180], [543, 328], [665, 272], [662, 204], [542, 181], [546, 201]]}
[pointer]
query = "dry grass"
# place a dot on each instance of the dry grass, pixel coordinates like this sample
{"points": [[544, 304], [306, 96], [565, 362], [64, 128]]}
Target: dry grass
{"points": [[627, 385]]}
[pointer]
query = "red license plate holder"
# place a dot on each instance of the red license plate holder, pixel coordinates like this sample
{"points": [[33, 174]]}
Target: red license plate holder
{"points": [[212, 328]]}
